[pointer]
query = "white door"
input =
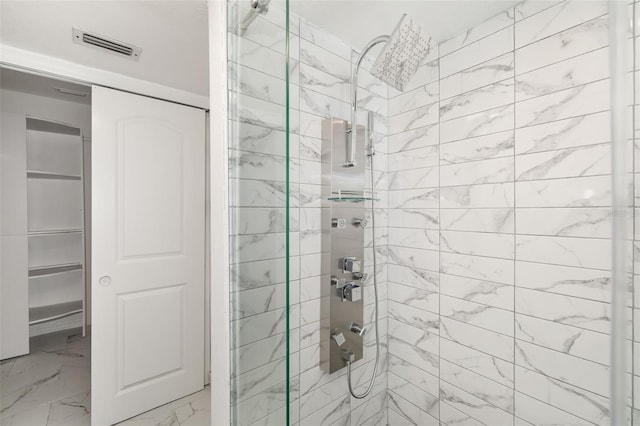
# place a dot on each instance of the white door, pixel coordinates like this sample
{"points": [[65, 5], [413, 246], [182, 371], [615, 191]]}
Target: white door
{"points": [[148, 207]]}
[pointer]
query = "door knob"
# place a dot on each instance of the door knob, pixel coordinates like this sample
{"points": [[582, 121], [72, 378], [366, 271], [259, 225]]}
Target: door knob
{"points": [[105, 280]]}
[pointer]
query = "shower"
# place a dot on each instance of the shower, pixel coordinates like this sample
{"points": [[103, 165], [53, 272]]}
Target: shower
{"points": [[395, 65]]}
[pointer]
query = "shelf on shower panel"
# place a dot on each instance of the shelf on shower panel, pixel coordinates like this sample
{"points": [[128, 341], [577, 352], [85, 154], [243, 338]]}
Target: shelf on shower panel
{"points": [[351, 199], [352, 196]]}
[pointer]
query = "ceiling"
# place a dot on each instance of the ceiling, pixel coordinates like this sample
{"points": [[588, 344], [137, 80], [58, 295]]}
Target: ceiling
{"points": [[173, 34], [440, 19]]}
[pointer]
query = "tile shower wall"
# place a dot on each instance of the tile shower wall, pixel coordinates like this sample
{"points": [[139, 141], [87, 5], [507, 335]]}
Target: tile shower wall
{"points": [[492, 171], [513, 242], [320, 74]]}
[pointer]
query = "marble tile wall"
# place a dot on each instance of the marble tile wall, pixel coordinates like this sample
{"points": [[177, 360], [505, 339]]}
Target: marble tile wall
{"points": [[515, 329], [493, 175], [320, 72]]}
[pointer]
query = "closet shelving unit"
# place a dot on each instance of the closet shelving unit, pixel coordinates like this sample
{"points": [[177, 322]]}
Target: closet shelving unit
{"points": [[55, 204]]}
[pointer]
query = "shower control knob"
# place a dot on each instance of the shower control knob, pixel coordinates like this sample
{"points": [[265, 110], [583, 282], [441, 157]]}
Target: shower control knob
{"points": [[338, 282], [338, 337], [352, 292], [351, 264]]}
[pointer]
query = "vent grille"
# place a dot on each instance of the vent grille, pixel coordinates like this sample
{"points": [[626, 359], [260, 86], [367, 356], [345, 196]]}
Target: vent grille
{"points": [[101, 42]]}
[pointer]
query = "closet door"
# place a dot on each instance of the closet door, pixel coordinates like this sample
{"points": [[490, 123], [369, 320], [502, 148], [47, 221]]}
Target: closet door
{"points": [[148, 159]]}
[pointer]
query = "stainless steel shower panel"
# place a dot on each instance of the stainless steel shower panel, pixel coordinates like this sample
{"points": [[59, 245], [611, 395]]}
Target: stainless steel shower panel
{"points": [[342, 247]]}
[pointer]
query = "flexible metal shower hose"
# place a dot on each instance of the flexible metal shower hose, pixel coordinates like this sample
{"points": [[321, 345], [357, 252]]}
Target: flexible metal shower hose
{"points": [[375, 290]]}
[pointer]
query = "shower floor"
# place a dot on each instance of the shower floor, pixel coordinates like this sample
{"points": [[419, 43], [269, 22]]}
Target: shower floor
{"points": [[51, 386]]}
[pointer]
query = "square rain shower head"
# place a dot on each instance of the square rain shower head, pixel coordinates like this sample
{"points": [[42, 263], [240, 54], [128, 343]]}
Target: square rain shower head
{"points": [[401, 55]]}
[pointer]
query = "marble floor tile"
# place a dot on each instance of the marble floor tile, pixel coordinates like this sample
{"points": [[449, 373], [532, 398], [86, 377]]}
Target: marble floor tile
{"points": [[51, 387]]}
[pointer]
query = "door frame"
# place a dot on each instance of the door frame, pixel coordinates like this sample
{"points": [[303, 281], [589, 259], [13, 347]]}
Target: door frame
{"points": [[217, 363]]}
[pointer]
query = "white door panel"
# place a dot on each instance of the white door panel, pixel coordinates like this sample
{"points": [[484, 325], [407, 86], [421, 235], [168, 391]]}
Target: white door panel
{"points": [[147, 253]]}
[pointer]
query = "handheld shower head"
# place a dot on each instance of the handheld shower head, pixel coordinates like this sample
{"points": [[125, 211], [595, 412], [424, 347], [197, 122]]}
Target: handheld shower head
{"points": [[401, 55]]}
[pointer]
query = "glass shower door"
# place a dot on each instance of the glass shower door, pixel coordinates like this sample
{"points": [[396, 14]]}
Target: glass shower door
{"points": [[259, 223]]}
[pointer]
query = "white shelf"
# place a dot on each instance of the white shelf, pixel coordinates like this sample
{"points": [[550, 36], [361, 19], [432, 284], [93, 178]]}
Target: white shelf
{"points": [[35, 174], [41, 314], [53, 269]]}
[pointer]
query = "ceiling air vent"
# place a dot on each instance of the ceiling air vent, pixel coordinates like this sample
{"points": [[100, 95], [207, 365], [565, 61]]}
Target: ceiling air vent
{"points": [[121, 49]]}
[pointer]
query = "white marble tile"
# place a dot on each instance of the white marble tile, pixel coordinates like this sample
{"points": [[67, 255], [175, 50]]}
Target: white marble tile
{"points": [[412, 179], [249, 248], [485, 268], [256, 111], [257, 84], [414, 218], [413, 99], [71, 411], [572, 192], [256, 301], [480, 339], [495, 170], [255, 56], [488, 366], [425, 239], [323, 105], [489, 391], [478, 32], [568, 251], [555, 19], [479, 148], [450, 416], [324, 83], [486, 73], [413, 139], [415, 297], [484, 220], [482, 123], [324, 60], [479, 291], [413, 159], [478, 243], [590, 160], [253, 355], [414, 199], [583, 69], [577, 101], [489, 47], [251, 410], [322, 38], [575, 41], [421, 358], [328, 414], [566, 368], [422, 321], [414, 375], [414, 119], [376, 403], [579, 282], [321, 396], [37, 415], [257, 274], [589, 129], [567, 222], [475, 407], [248, 165], [414, 277], [492, 96], [568, 310], [413, 258], [579, 342], [539, 413], [257, 327], [413, 394], [488, 317], [529, 8]]}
